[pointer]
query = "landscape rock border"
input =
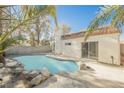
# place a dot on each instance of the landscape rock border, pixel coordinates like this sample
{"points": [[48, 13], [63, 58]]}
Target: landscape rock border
{"points": [[20, 78]]}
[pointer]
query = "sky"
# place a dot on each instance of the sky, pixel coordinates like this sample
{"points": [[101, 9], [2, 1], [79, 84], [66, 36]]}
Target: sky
{"points": [[78, 17]]}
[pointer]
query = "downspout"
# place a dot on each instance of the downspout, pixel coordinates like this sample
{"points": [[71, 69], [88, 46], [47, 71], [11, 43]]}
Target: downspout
{"points": [[119, 48]]}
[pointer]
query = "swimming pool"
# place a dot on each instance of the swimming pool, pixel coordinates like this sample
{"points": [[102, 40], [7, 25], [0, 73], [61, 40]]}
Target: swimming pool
{"points": [[38, 62]]}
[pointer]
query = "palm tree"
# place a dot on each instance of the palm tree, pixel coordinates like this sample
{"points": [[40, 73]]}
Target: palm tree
{"points": [[112, 15], [22, 17], [65, 28]]}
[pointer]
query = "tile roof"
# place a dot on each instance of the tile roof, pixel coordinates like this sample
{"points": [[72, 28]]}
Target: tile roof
{"points": [[99, 31]]}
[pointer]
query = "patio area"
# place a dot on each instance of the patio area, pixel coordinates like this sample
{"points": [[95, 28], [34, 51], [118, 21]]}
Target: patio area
{"points": [[104, 76]]}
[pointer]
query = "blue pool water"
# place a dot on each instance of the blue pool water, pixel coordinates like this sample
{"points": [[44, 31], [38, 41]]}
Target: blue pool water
{"points": [[38, 62]]}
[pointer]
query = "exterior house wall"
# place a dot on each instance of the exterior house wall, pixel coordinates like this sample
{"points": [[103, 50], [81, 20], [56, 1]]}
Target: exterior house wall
{"points": [[58, 42], [73, 50], [108, 47], [122, 48], [122, 53]]}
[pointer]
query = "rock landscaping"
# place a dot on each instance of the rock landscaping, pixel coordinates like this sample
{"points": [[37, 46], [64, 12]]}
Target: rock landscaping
{"points": [[37, 80], [85, 67], [13, 75]]}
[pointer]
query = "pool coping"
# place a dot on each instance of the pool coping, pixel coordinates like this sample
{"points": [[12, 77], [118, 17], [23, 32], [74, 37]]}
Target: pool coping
{"points": [[57, 57]]}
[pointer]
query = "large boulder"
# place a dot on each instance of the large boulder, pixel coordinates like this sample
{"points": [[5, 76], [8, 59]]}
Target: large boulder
{"points": [[8, 70], [12, 64], [1, 78], [29, 75], [50, 81], [5, 70], [25, 72], [33, 73], [1, 65], [19, 69], [45, 72], [21, 84], [37, 80], [85, 67], [6, 79], [2, 71], [8, 60]]}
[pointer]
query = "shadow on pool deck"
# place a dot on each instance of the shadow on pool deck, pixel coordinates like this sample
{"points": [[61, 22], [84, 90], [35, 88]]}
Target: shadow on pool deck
{"points": [[84, 79], [93, 81]]}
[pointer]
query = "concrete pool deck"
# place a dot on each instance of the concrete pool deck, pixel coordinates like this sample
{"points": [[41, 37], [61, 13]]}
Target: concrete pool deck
{"points": [[60, 57], [103, 76], [99, 76]]}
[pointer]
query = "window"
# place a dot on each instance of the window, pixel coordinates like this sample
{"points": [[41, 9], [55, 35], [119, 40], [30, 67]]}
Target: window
{"points": [[67, 43]]}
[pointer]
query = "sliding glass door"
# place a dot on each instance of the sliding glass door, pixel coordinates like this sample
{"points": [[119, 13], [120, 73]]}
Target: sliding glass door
{"points": [[90, 50], [85, 50], [93, 50]]}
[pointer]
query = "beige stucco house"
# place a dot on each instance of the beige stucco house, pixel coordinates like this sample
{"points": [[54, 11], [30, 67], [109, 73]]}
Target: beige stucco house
{"points": [[103, 45]]}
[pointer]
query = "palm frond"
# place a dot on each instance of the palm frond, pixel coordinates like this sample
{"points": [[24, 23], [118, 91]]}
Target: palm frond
{"points": [[25, 15], [106, 14]]}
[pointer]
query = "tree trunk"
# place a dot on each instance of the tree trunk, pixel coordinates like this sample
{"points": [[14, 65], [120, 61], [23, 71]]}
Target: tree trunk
{"points": [[2, 59], [38, 31], [0, 23]]}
